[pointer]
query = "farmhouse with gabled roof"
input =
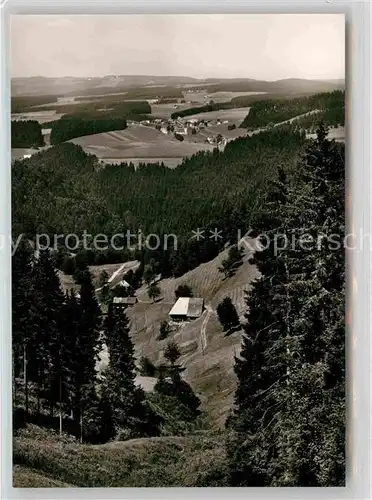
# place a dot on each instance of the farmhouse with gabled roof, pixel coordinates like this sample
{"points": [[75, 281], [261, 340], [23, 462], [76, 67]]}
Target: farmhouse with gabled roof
{"points": [[187, 308]]}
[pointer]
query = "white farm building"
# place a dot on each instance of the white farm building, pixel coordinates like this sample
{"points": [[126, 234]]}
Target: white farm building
{"points": [[186, 308]]}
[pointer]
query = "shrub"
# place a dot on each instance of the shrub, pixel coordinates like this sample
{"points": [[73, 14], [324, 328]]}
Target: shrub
{"points": [[68, 266], [183, 291], [147, 367], [164, 330]]}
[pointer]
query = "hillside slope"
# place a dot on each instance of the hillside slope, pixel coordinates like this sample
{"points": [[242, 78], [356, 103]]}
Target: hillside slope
{"points": [[137, 142], [207, 353]]}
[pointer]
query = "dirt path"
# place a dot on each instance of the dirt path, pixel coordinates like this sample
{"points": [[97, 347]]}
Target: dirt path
{"points": [[203, 334], [130, 265], [113, 275]]}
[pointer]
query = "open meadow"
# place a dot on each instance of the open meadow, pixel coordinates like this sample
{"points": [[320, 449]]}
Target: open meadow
{"points": [[39, 116], [233, 115], [114, 271], [139, 143], [337, 133]]}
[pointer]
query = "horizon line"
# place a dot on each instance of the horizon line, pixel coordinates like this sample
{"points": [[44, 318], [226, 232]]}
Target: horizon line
{"points": [[182, 76]]}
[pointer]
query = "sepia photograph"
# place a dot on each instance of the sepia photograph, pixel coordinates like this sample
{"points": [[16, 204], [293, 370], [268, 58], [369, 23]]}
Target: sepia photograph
{"points": [[178, 250]]}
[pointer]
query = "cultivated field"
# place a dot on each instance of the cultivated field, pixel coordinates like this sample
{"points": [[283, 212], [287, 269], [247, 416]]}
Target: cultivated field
{"points": [[168, 162], [223, 130], [138, 142], [165, 110], [196, 99], [337, 133], [203, 97], [234, 115], [39, 116], [18, 153]]}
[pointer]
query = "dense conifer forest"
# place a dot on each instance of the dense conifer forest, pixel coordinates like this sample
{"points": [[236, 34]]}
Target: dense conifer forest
{"points": [[266, 112], [112, 106], [71, 127], [56, 341], [26, 134], [152, 198], [288, 424]]}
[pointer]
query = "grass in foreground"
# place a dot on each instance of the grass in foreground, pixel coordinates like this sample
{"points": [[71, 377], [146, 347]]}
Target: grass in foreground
{"points": [[41, 459]]}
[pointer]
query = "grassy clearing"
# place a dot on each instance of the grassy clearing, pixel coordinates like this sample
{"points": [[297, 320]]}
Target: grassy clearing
{"points": [[149, 462], [137, 142], [234, 115], [40, 116], [338, 134], [68, 283]]}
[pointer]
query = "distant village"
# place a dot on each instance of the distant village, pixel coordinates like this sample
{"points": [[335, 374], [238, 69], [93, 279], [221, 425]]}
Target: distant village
{"points": [[191, 128], [181, 127]]}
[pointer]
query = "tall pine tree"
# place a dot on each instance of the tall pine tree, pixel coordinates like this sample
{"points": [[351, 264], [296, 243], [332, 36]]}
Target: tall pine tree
{"points": [[88, 347], [48, 301], [131, 414], [22, 327], [288, 424]]}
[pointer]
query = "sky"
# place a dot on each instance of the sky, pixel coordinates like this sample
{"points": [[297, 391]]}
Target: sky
{"points": [[260, 46]]}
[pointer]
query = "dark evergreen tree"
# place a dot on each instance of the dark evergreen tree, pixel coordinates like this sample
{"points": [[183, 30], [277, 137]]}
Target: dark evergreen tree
{"points": [[233, 261], [172, 353], [164, 330], [154, 292], [98, 424], [68, 265], [26, 134], [106, 295], [48, 303], [22, 318], [131, 414], [66, 368], [148, 274], [184, 393], [175, 387], [183, 291], [147, 367], [291, 370], [227, 314], [88, 347]]}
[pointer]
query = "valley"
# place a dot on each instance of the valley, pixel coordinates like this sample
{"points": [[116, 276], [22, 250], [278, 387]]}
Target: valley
{"points": [[151, 138], [112, 388]]}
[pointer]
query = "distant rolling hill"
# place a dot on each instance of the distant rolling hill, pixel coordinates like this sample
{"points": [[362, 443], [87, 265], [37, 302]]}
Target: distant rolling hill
{"points": [[301, 85], [38, 85]]}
